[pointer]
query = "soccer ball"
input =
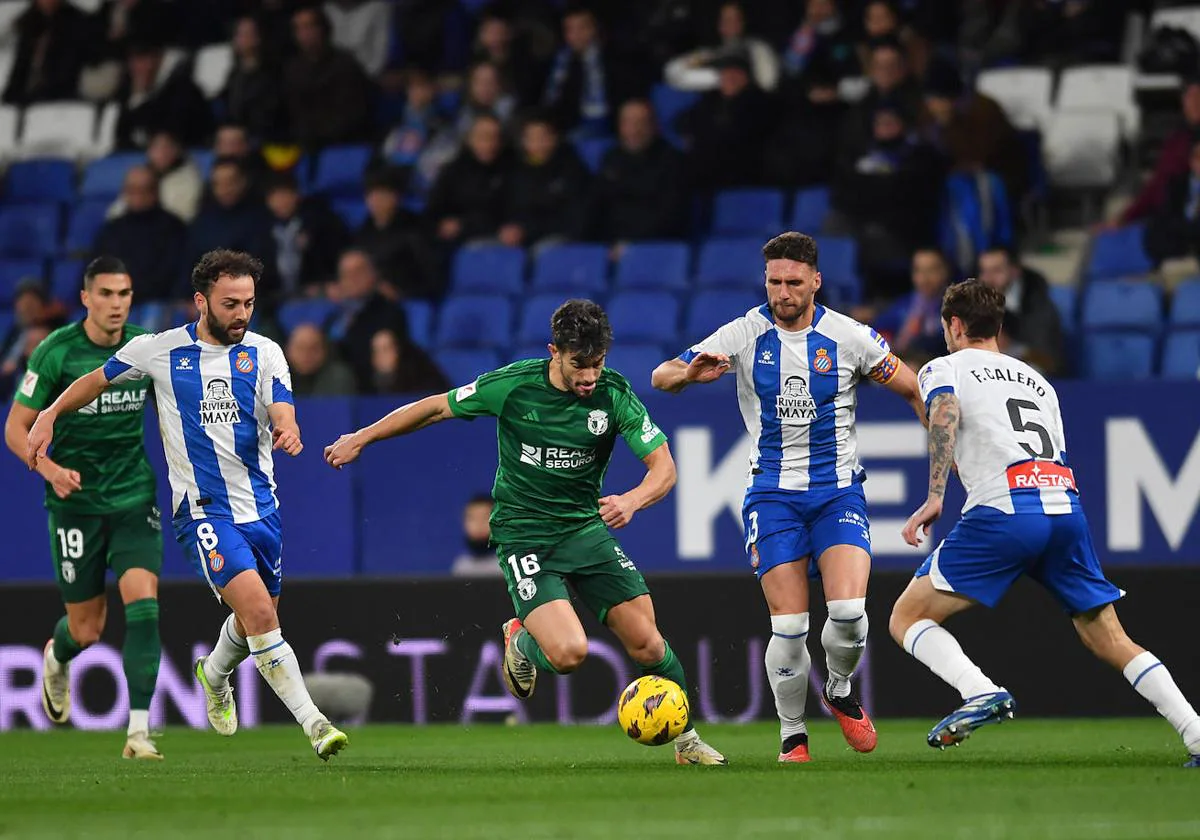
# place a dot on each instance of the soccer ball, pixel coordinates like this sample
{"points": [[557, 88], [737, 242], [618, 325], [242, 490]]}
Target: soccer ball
{"points": [[652, 711]]}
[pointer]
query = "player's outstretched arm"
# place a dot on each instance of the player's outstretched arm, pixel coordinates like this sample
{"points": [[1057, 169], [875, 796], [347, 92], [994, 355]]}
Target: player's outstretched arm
{"points": [[78, 394], [617, 511], [16, 436], [944, 414], [404, 420], [285, 432], [905, 384], [674, 375]]}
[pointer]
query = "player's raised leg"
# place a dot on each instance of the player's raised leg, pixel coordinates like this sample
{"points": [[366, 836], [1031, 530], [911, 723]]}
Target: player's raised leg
{"points": [[78, 629], [549, 639], [140, 655], [787, 660], [844, 573]]}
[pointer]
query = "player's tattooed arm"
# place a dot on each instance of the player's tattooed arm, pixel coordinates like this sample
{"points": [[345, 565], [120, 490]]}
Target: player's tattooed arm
{"points": [[943, 432], [404, 420]]}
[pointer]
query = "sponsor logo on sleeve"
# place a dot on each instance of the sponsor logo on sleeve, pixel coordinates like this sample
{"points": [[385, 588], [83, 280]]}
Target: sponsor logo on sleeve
{"points": [[29, 383], [649, 430], [466, 391]]}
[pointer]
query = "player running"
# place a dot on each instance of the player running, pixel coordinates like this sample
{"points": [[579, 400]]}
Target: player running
{"points": [[100, 493], [998, 420], [558, 420], [798, 365], [223, 394]]}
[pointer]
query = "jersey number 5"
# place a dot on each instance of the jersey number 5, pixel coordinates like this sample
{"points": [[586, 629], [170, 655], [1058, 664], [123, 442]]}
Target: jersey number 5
{"points": [[1045, 445]]}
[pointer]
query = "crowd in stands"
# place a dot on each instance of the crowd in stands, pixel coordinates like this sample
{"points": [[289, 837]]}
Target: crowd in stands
{"points": [[362, 148]]}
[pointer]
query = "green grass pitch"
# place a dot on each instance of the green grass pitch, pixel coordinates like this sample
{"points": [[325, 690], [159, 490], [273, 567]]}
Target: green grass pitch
{"points": [[1030, 779]]}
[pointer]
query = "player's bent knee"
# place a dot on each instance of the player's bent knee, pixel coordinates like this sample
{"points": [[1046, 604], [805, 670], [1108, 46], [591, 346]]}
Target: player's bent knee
{"points": [[258, 619], [648, 651], [87, 633], [899, 622], [566, 656]]}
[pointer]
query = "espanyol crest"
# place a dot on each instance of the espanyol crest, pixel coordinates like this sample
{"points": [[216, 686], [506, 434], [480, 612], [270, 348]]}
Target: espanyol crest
{"points": [[598, 422]]}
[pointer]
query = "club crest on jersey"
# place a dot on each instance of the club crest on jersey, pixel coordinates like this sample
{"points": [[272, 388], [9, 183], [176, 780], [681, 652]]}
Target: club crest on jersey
{"points": [[244, 363], [218, 408], [597, 421], [216, 561], [795, 402], [526, 589], [821, 362]]}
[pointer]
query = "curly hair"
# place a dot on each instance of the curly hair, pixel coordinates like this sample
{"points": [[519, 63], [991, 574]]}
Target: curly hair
{"points": [[580, 328], [980, 307], [224, 263]]}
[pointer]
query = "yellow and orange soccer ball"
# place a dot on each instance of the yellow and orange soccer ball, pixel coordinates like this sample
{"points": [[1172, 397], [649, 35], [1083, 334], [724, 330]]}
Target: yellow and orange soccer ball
{"points": [[652, 711]]}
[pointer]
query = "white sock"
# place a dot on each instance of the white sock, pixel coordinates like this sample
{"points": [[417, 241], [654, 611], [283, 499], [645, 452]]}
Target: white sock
{"points": [[229, 652], [933, 646], [139, 721], [787, 664], [1151, 679], [277, 663], [686, 739], [844, 637]]}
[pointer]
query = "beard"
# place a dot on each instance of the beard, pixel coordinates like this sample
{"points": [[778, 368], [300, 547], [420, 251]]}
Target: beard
{"points": [[792, 314], [221, 331]]}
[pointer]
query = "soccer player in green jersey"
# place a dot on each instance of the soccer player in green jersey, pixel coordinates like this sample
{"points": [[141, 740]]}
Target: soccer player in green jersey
{"points": [[100, 493], [558, 420]]}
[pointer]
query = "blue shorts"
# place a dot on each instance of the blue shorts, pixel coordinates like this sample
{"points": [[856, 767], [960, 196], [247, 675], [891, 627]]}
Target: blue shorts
{"points": [[988, 550], [219, 550], [783, 526]]}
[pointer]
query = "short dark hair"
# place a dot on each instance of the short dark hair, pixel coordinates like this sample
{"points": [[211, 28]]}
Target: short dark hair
{"points": [[102, 265], [1009, 253], [581, 328], [281, 180], [230, 160], [391, 178], [224, 263], [792, 246], [979, 307]]}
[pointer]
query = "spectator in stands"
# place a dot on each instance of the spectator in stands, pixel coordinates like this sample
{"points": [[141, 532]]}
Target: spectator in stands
{"points": [[252, 96], [53, 40], [232, 219], [125, 22], [363, 310], [914, 322], [519, 70], [881, 19], [549, 193], [180, 185], [327, 93], [1032, 327], [479, 559], [392, 237], [315, 373], [232, 141], [1075, 32], [891, 80], [155, 97], [419, 122], [803, 150], [308, 237], [147, 238], [723, 132], [820, 36], [35, 315], [694, 70], [1174, 230], [467, 200], [641, 191], [362, 28], [484, 97], [401, 367]]}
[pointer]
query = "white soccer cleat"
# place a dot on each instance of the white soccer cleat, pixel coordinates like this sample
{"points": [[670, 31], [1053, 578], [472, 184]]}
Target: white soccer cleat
{"points": [[139, 745], [691, 750], [519, 673], [222, 711], [327, 739], [56, 686]]}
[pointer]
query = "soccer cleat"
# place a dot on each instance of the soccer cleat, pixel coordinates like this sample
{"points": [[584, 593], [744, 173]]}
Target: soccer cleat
{"points": [[56, 687], [519, 673], [222, 711], [694, 751], [794, 750], [1193, 761], [139, 745], [327, 739], [956, 727], [857, 728]]}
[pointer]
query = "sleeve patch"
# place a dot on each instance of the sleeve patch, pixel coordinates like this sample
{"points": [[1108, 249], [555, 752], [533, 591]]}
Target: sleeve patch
{"points": [[29, 384], [885, 371], [649, 430], [466, 391]]}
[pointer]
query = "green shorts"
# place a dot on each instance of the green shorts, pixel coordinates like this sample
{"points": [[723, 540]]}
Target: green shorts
{"points": [[85, 546], [591, 561]]}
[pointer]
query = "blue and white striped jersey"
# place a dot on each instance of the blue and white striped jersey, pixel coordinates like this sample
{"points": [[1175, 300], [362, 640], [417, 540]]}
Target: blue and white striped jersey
{"points": [[797, 394], [212, 412]]}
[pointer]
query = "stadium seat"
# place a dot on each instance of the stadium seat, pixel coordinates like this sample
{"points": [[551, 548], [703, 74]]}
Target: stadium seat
{"points": [[1101, 87], [66, 281], [479, 321], [528, 351], [352, 212], [533, 327], [152, 316], [1185, 304], [64, 129], [293, 313], [1117, 253], [747, 212], [1181, 355], [104, 177], [668, 104], [592, 151], [653, 265], [1066, 301], [1122, 305], [30, 231], [710, 310], [647, 317], [1081, 149], [572, 269], [837, 257], [340, 170], [211, 68], [730, 263], [1023, 92], [42, 180], [636, 362], [203, 158], [83, 225], [1119, 356], [419, 314], [13, 272], [488, 269], [462, 366], [809, 209]]}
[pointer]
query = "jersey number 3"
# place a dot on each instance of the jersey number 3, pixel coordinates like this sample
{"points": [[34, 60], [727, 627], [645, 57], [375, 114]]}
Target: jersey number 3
{"points": [[1045, 444]]}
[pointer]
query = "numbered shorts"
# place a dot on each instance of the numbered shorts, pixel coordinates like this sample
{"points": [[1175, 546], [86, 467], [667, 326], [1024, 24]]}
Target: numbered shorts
{"points": [[84, 547], [783, 526], [988, 550], [220, 550], [591, 561]]}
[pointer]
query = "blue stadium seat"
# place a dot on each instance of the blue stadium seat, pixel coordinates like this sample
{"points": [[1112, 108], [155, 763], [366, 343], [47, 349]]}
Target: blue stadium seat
{"points": [[340, 170], [1122, 305], [12, 272], [420, 315], [1067, 303], [83, 225], [592, 151], [152, 316], [572, 269], [462, 366], [730, 263], [636, 362], [488, 269], [293, 313], [1117, 253], [1185, 304], [66, 280], [648, 317], [1181, 355], [30, 231], [1119, 356], [203, 158], [105, 177], [809, 210], [46, 179], [528, 351], [837, 257], [482, 321], [668, 104], [710, 310], [746, 212], [533, 327], [653, 265], [352, 211]]}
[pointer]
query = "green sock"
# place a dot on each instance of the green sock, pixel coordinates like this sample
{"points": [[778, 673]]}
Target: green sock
{"points": [[529, 646], [142, 651], [65, 646], [670, 668]]}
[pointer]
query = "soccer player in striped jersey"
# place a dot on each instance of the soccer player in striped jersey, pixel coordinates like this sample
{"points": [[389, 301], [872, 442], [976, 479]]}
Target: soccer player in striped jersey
{"points": [[223, 394], [998, 420], [798, 365]]}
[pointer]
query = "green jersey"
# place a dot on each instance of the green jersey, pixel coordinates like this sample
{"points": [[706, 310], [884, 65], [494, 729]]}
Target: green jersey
{"points": [[554, 446], [103, 441]]}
